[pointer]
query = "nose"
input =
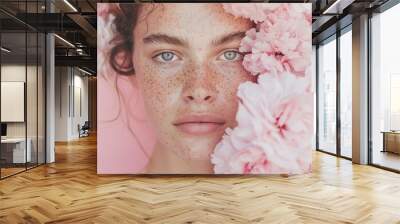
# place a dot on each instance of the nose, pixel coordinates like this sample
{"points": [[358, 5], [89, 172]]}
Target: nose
{"points": [[199, 95], [200, 87]]}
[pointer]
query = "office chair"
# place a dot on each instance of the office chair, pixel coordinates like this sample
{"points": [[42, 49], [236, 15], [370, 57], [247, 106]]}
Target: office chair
{"points": [[84, 130]]}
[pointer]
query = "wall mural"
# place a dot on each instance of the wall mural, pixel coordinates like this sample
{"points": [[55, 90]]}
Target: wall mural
{"points": [[204, 88]]}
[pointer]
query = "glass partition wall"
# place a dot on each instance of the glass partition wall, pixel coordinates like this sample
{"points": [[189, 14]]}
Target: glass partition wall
{"points": [[327, 95], [345, 61], [334, 94], [22, 77], [385, 89]]}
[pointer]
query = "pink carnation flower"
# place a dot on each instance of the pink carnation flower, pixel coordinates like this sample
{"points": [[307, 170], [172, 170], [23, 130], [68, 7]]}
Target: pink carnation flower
{"points": [[288, 41], [283, 37], [255, 12], [275, 115], [107, 9], [247, 42], [281, 109], [249, 159], [274, 123], [106, 15], [260, 63]]}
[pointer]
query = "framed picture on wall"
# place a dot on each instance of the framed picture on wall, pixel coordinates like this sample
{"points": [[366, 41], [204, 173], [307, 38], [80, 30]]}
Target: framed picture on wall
{"points": [[204, 88], [12, 101]]}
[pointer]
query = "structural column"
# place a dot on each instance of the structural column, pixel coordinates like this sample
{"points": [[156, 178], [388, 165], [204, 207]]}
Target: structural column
{"points": [[50, 92], [360, 90]]}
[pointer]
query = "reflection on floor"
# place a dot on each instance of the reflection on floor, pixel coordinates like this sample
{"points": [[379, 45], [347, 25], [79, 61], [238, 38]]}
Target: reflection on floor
{"points": [[10, 169], [387, 159], [70, 191], [346, 152]]}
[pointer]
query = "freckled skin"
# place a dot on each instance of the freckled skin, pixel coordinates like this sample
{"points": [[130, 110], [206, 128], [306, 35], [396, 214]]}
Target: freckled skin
{"points": [[198, 72]]}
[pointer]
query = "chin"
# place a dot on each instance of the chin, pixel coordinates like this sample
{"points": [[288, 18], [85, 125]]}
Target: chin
{"points": [[201, 149]]}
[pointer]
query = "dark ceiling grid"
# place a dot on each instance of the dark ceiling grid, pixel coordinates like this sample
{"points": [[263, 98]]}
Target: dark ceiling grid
{"points": [[79, 27]]}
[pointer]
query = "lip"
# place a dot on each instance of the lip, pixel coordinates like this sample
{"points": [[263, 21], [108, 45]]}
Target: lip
{"points": [[199, 124]]}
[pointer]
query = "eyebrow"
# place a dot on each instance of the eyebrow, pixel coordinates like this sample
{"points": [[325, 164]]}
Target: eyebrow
{"points": [[229, 38], [163, 38]]}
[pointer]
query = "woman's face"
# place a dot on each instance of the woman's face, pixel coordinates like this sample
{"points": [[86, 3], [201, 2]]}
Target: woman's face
{"points": [[188, 68]]}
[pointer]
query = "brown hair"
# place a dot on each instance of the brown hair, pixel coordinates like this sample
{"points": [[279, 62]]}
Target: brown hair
{"points": [[125, 21], [126, 18]]}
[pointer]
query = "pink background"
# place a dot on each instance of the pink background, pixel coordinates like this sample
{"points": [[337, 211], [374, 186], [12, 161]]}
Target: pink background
{"points": [[120, 153], [125, 142]]}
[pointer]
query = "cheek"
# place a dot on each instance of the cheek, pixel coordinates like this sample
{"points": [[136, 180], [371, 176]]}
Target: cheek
{"points": [[231, 77], [161, 90], [152, 86]]}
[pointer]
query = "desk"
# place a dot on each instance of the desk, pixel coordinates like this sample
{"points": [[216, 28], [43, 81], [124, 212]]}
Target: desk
{"points": [[15, 148], [391, 141]]}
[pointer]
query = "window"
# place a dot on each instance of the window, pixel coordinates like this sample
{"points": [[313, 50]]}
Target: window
{"points": [[346, 93], [385, 89], [327, 96], [22, 76]]}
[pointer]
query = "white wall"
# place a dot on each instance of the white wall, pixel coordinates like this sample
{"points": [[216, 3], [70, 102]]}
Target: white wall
{"points": [[80, 103], [16, 73], [61, 103], [33, 126], [71, 94], [11, 73]]}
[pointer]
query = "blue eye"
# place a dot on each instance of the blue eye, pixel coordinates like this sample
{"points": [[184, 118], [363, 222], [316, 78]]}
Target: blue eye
{"points": [[166, 57], [230, 55]]}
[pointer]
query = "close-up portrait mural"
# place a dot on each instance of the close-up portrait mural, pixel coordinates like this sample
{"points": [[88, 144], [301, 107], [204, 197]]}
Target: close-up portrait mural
{"points": [[204, 88]]}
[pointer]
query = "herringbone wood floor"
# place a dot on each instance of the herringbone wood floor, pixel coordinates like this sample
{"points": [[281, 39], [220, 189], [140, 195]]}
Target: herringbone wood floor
{"points": [[70, 191]]}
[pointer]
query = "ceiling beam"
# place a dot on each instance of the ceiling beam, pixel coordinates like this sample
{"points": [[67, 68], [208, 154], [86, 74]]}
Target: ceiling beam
{"points": [[337, 7], [83, 61], [84, 24]]}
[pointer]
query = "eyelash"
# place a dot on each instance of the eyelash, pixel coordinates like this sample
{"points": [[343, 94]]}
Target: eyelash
{"points": [[239, 55], [158, 57]]}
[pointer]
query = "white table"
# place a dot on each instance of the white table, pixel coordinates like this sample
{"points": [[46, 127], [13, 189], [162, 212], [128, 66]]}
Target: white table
{"points": [[19, 155]]}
